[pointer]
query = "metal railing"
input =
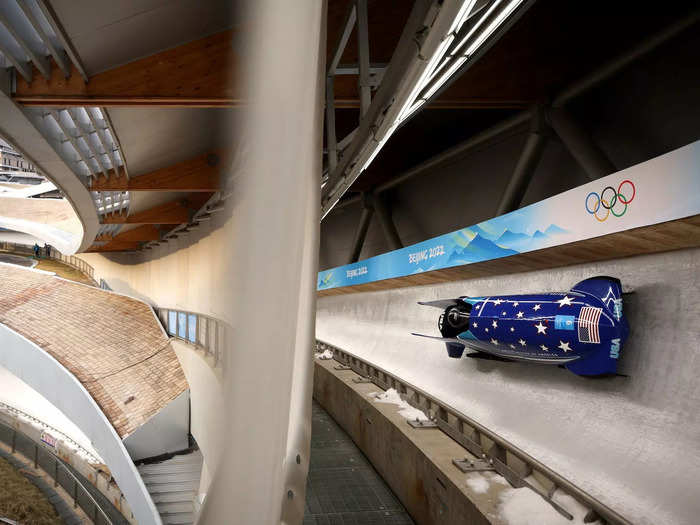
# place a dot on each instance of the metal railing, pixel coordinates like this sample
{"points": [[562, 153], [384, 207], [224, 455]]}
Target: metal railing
{"points": [[17, 413], [497, 454], [203, 331], [70, 260], [56, 469]]}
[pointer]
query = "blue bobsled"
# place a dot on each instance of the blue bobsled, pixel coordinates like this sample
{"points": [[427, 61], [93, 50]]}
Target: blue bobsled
{"points": [[582, 330]]}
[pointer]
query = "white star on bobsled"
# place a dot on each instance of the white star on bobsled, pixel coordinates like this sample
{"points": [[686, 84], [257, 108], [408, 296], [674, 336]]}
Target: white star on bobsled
{"points": [[512, 329], [494, 324], [475, 325], [512, 346], [519, 315], [515, 304], [544, 348], [497, 302], [564, 346], [522, 342], [566, 301], [503, 312], [494, 341], [541, 329], [536, 307], [486, 329]]}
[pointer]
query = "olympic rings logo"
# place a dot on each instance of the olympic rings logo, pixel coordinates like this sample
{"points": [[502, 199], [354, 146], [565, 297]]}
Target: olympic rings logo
{"points": [[607, 201]]}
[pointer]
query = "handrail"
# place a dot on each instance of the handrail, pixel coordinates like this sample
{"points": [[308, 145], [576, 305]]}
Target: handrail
{"points": [[78, 487], [203, 331], [91, 457], [507, 459], [70, 260]]}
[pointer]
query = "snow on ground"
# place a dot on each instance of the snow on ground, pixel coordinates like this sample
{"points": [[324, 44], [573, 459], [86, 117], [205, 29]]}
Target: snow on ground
{"points": [[526, 507], [19, 395], [326, 354], [406, 410]]}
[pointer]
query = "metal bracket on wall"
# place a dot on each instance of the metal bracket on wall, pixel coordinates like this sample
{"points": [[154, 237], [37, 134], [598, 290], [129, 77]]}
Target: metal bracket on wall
{"points": [[361, 380], [417, 423], [342, 367], [473, 465]]}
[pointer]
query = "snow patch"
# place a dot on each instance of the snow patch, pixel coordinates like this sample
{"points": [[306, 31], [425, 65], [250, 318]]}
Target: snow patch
{"points": [[406, 410], [478, 483], [326, 354], [526, 507]]}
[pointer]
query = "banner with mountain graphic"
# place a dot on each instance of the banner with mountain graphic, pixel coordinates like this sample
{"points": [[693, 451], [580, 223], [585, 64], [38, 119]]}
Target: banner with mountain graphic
{"points": [[658, 190]]}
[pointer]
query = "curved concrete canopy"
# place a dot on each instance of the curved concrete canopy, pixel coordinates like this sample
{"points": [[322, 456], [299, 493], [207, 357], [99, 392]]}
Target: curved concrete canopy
{"points": [[52, 221], [17, 129]]}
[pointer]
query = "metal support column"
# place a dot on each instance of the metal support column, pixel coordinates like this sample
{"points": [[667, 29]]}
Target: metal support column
{"points": [[331, 142], [361, 233], [363, 56], [525, 168], [580, 144], [384, 216]]}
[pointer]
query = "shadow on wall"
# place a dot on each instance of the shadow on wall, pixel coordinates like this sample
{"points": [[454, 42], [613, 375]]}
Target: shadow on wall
{"points": [[122, 287], [184, 241]]}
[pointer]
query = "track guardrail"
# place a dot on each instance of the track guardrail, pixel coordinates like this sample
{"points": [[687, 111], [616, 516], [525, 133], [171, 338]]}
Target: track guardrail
{"points": [[16, 412], [492, 451], [205, 332], [54, 467]]}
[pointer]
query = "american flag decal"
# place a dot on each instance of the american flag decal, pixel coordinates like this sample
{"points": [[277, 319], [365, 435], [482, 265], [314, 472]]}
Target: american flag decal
{"points": [[588, 324]]}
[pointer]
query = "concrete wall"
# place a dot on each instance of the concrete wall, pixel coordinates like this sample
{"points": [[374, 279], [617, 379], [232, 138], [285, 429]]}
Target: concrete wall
{"points": [[646, 110], [46, 375], [190, 273], [606, 435], [207, 402], [415, 463], [165, 432]]}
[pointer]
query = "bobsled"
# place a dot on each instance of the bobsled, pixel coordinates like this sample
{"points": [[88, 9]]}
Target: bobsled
{"points": [[582, 330]]}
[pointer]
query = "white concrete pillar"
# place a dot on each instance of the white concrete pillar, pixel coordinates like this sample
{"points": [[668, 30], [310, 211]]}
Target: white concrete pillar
{"points": [[275, 199]]}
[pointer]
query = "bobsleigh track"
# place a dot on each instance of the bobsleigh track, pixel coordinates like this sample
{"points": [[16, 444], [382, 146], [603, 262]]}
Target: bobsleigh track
{"points": [[631, 442]]}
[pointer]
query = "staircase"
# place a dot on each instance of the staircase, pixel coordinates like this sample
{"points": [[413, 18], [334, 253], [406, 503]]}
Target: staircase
{"points": [[173, 485]]}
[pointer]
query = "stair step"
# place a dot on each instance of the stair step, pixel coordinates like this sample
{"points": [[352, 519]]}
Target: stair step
{"points": [[161, 488], [175, 507], [178, 477], [173, 485], [165, 468], [184, 518], [183, 495]]}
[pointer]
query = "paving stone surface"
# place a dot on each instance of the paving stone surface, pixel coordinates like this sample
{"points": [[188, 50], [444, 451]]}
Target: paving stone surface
{"points": [[111, 343]]}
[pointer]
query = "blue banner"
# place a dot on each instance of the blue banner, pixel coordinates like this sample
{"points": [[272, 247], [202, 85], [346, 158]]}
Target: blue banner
{"points": [[661, 189]]}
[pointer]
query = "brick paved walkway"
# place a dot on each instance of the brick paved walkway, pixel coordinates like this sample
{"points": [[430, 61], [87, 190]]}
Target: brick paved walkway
{"points": [[112, 344]]}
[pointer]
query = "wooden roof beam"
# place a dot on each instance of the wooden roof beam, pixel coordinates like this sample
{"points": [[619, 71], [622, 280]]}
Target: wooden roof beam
{"points": [[200, 174], [197, 74], [178, 211]]}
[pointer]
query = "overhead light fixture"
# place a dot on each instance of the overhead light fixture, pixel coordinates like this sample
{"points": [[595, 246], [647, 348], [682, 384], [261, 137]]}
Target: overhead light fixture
{"points": [[443, 63]]}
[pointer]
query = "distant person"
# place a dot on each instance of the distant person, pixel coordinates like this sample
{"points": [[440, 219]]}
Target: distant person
{"points": [[48, 250], [36, 251]]}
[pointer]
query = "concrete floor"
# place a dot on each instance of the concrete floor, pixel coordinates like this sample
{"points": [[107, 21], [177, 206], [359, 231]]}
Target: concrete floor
{"points": [[342, 487]]}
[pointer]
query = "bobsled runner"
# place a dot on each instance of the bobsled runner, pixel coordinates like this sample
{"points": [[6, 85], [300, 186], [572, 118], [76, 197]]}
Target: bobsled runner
{"points": [[582, 330]]}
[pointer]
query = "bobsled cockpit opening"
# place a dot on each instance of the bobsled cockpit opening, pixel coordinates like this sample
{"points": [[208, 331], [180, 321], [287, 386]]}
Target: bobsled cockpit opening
{"points": [[454, 320]]}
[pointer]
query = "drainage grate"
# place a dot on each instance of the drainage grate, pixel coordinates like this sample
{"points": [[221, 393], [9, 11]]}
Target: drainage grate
{"points": [[342, 487]]}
